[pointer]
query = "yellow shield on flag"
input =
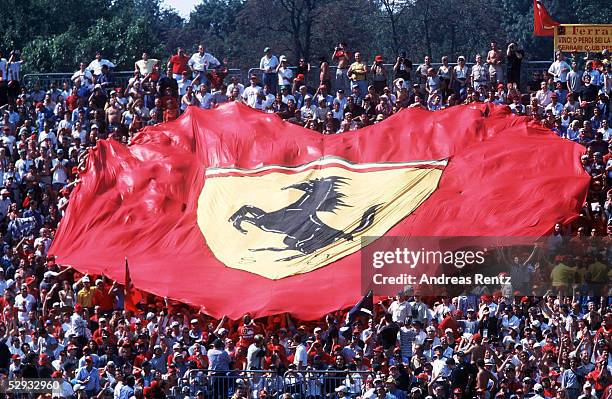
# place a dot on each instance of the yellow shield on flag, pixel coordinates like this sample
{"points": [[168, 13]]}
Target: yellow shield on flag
{"points": [[278, 221]]}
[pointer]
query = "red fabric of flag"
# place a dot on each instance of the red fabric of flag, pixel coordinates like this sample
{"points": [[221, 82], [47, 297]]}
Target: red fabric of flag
{"points": [[543, 24], [155, 201]]}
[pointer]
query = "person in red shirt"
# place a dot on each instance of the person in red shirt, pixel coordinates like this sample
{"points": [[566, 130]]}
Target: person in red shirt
{"points": [[177, 64], [199, 358], [247, 331], [600, 377], [103, 297], [317, 350]]}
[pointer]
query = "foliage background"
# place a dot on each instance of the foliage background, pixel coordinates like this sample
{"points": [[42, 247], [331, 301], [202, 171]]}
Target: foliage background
{"points": [[55, 35]]}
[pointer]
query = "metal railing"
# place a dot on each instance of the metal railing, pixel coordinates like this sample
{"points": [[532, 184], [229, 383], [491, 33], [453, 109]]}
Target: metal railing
{"points": [[303, 383], [312, 78], [313, 81], [121, 78]]}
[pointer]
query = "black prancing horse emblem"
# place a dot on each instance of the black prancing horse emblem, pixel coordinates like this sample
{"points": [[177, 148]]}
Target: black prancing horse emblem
{"points": [[304, 231]]}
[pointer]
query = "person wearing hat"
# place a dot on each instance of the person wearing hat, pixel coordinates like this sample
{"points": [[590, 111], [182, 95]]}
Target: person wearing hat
{"points": [[268, 66], [5, 203], [285, 74], [379, 74], [253, 94], [89, 377], [342, 391], [86, 294]]}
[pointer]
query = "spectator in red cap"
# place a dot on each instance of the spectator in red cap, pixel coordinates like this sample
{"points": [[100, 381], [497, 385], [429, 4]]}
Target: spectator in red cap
{"points": [[379, 74]]}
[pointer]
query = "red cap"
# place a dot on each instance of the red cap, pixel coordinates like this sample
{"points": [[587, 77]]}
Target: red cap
{"points": [[524, 299], [457, 390], [378, 58], [56, 374], [423, 376], [476, 337], [300, 76], [78, 308], [89, 359], [29, 280], [42, 359], [16, 357]]}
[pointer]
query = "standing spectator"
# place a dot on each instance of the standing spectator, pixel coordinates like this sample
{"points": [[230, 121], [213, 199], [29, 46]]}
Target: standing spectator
{"points": [[285, 74], [84, 76], [495, 59], [402, 69], [177, 64], [514, 58], [574, 80], [95, 66], [421, 74], [268, 65], [200, 62], [461, 76], [559, 69], [358, 75], [324, 74], [343, 58], [379, 74], [145, 65], [14, 64], [479, 73]]}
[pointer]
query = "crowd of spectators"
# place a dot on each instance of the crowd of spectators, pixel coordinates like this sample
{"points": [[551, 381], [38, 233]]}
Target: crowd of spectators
{"points": [[57, 323]]}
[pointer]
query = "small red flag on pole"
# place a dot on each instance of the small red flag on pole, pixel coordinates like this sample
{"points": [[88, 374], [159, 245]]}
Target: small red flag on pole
{"points": [[131, 295], [543, 24]]}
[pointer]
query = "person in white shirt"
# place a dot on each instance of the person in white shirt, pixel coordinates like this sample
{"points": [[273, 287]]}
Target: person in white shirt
{"points": [[24, 302], [301, 353], [554, 106], [204, 97], [95, 66], [544, 95], [308, 110], [559, 69], [200, 62], [3, 65], [5, 203], [399, 309], [268, 65], [234, 84], [145, 65], [14, 63], [252, 94], [285, 75], [84, 76]]}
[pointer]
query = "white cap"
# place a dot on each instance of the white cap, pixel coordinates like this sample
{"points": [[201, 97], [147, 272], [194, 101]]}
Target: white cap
{"points": [[49, 274], [85, 279], [282, 58], [342, 388], [318, 329]]}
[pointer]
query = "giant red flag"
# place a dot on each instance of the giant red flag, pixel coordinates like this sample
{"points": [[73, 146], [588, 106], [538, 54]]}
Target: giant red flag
{"points": [[235, 210], [543, 24]]}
